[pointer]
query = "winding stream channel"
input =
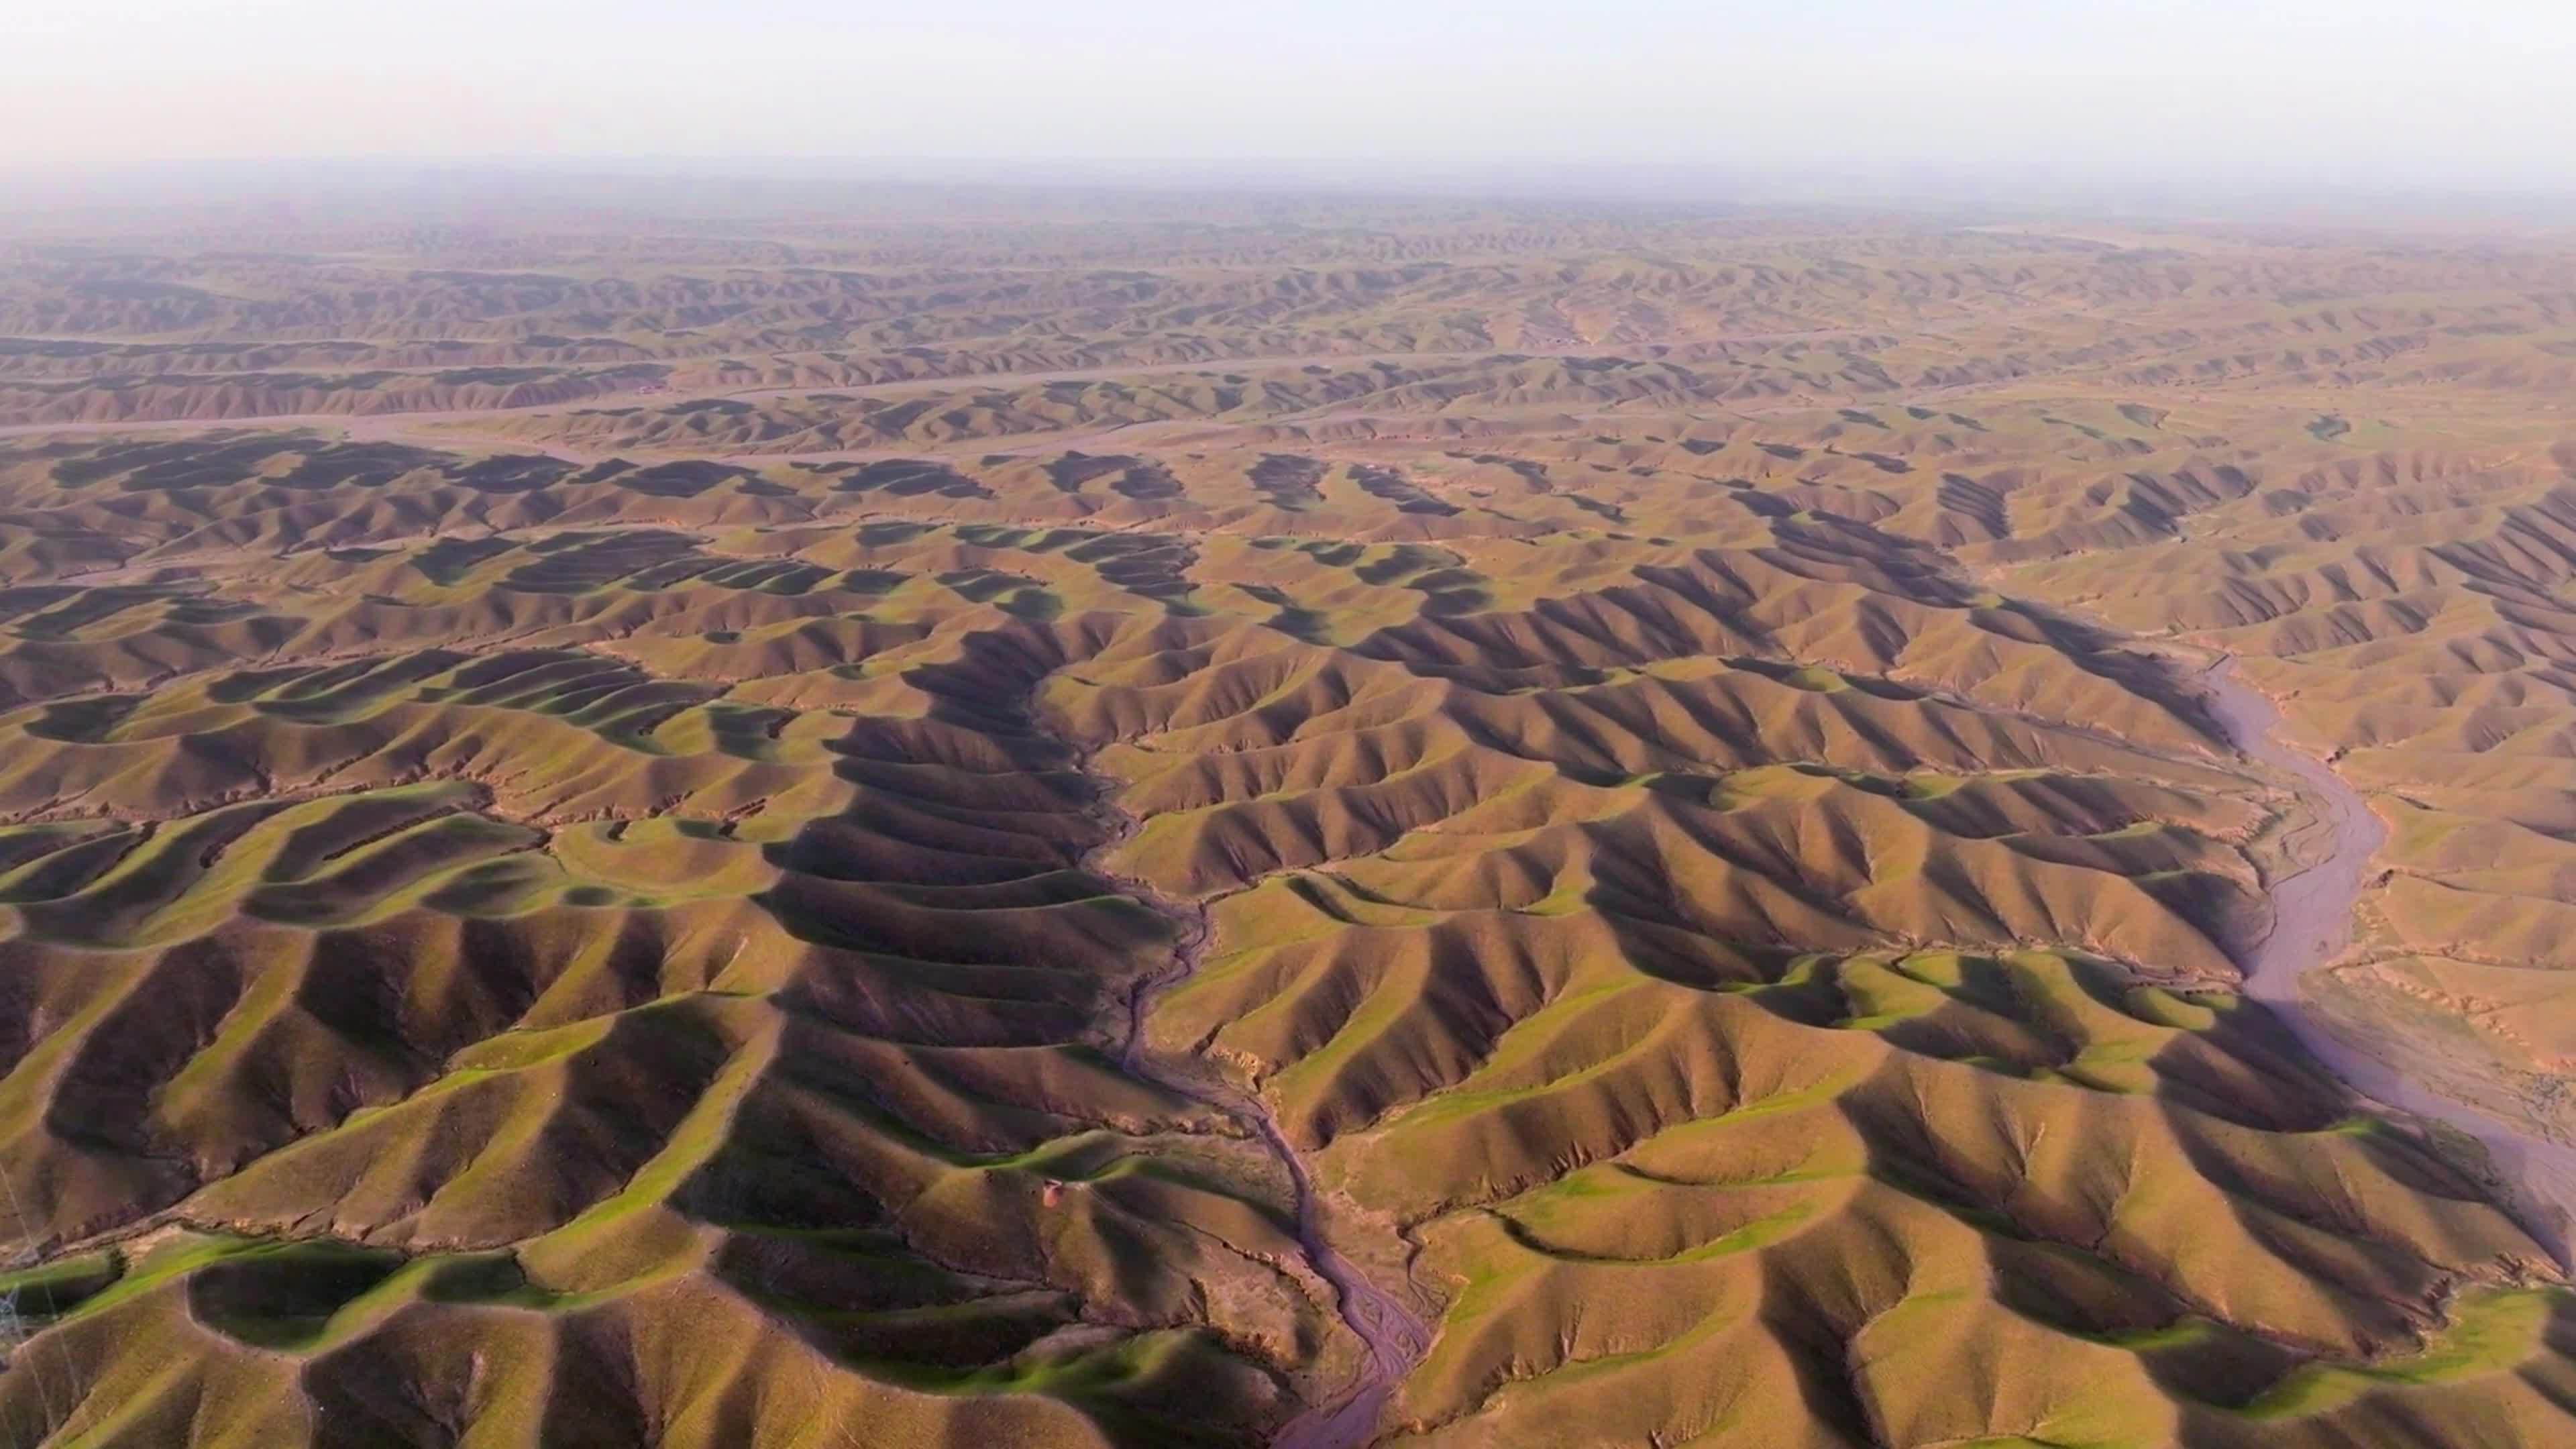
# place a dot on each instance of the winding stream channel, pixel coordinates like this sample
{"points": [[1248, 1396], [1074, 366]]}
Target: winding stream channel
{"points": [[2312, 924], [2313, 910], [1392, 1335]]}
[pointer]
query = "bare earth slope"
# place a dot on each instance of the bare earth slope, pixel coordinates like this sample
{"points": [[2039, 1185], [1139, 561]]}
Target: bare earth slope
{"points": [[1047, 820]]}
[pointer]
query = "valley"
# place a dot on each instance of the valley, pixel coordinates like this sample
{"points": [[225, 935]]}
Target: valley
{"points": [[1028, 819]]}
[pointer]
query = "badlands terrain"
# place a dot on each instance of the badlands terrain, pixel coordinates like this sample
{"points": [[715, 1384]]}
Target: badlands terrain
{"points": [[897, 818]]}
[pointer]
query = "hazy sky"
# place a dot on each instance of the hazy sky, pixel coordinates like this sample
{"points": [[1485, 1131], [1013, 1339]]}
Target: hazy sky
{"points": [[2472, 92]]}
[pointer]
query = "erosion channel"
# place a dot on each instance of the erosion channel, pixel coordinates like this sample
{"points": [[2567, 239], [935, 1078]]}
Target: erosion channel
{"points": [[1392, 1335], [2312, 923]]}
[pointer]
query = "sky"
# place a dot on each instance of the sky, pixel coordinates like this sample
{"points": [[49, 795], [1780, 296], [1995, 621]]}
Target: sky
{"points": [[2468, 94]]}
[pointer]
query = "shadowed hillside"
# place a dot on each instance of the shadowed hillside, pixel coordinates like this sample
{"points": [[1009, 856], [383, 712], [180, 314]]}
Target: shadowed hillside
{"points": [[1233, 822]]}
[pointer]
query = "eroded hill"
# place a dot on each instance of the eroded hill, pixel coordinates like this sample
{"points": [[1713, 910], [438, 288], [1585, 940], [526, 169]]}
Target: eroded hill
{"points": [[1444, 826]]}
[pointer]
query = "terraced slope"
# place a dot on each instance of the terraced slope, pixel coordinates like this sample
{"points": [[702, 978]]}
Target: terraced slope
{"points": [[1463, 828]]}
